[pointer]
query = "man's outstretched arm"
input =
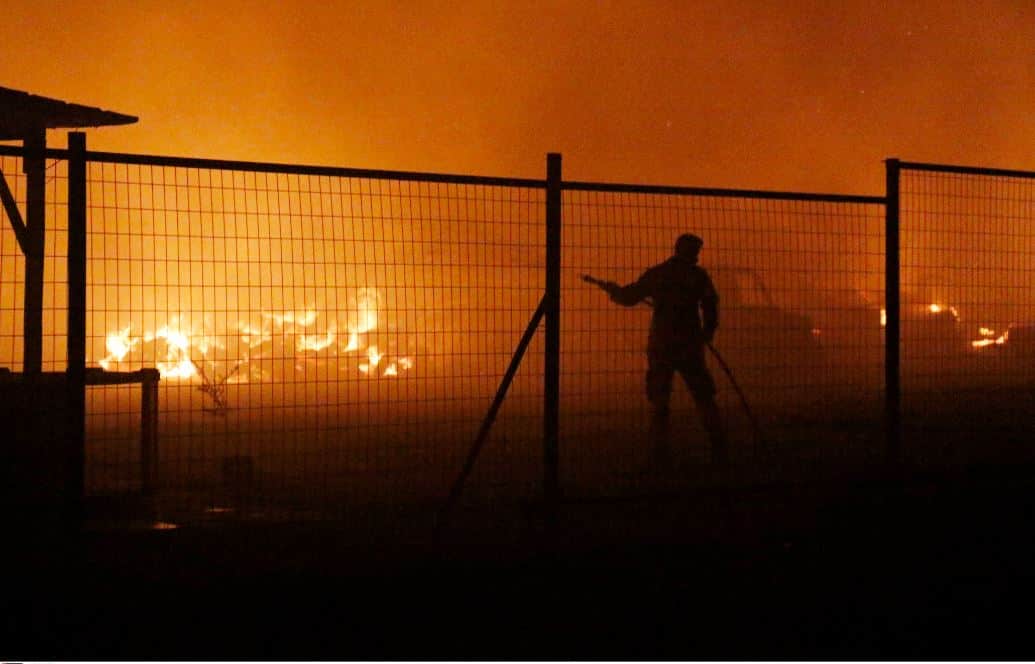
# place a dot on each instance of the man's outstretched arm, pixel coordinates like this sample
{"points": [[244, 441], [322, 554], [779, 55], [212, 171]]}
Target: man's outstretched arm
{"points": [[627, 296]]}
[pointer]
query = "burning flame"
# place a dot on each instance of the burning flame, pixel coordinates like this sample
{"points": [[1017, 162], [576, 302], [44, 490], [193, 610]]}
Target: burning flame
{"points": [[932, 308], [181, 350], [177, 362], [317, 342], [353, 344], [301, 319], [939, 308], [989, 338], [118, 344], [374, 358]]}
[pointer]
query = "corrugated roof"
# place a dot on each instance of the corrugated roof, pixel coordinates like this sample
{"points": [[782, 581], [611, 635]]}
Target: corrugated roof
{"points": [[22, 114]]}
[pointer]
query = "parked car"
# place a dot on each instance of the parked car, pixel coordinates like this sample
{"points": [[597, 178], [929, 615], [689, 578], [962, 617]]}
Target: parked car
{"points": [[851, 325], [1018, 339], [764, 342]]}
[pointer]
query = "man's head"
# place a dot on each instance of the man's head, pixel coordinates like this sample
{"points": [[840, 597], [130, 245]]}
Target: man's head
{"points": [[688, 246]]}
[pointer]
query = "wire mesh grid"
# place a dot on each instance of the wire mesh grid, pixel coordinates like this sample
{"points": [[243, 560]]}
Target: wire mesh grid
{"points": [[12, 269], [968, 256], [324, 342], [800, 285]]}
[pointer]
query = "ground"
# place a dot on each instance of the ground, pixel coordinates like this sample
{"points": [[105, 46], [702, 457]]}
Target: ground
{"points": [[916, 568]]}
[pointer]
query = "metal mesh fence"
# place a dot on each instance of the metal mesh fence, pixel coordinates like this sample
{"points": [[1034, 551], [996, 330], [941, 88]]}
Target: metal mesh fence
{"points": [[967, 262], [331, 339], [12, 269], [801, 290], [324, 341]]}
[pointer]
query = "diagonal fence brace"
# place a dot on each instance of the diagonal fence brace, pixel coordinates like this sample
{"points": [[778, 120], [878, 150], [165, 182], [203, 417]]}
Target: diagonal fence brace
{"points": [[490, 416], [13, 214]]}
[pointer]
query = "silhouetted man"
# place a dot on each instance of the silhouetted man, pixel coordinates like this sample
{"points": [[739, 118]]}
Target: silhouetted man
{"points": [[686, 315]]}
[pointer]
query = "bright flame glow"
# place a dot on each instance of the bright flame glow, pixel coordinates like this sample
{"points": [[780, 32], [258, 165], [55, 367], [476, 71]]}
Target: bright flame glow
{"points": [[188, 350], [374, 356], [316, 342], [118, 345], [301, 319], [990, 339], [177, 363], [353, 344], [253, 337]]}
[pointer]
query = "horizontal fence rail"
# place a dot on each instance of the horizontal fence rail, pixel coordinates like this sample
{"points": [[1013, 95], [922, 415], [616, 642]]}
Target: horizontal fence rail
{"points": [[718, 192], [280, 168]]}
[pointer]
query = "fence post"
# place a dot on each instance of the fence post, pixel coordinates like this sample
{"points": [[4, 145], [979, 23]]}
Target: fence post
{"points": [[76, 339], [892, 328], [551, 373], [35, 167], [149, 379]]}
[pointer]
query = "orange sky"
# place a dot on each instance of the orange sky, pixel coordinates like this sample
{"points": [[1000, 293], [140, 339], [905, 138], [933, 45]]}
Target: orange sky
{"points": [[804, 95]]}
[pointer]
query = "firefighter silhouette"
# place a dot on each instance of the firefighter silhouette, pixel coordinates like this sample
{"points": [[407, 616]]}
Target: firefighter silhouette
{"points": [[685, 318]]}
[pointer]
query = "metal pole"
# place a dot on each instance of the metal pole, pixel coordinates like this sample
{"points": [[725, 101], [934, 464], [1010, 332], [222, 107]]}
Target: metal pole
{"points": [[76, 340], [34, 165], [552, 371], [892, 328], [149, 435]]}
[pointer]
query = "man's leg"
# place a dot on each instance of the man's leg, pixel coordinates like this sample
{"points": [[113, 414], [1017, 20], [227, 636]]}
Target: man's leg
{"points": [[659, 391], [702, 386], [711, 419]]}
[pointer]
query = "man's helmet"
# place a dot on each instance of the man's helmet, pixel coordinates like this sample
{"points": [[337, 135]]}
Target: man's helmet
{"points": [[688, 245]]}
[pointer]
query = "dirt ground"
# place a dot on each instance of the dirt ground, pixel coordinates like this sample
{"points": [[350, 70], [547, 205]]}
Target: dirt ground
{"points": [[893, 568]]}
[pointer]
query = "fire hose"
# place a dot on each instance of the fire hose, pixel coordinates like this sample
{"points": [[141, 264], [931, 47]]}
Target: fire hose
{"points": [[759, 439]]}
